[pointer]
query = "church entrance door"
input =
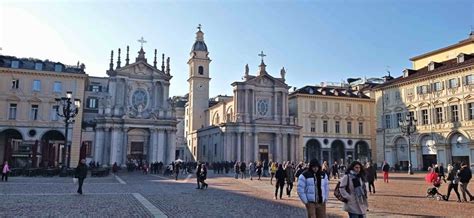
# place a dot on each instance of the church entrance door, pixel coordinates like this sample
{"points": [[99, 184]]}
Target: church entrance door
{"points": [[136, 151], [263, 152]]}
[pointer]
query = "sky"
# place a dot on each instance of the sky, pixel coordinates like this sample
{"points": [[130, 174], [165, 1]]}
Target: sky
{"points": [[316, 41]]}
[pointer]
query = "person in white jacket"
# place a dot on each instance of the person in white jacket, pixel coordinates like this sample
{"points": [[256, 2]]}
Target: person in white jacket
{"points": [[313, 190]]}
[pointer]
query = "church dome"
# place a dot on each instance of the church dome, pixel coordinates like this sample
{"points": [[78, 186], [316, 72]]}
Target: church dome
{"points": [[199, 46]]}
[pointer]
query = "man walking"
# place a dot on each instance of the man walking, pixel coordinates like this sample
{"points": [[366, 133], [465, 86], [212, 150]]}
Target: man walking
{"points": [[313, 190], [465, 176], [198, 175], [81, 174], [385, 169]]}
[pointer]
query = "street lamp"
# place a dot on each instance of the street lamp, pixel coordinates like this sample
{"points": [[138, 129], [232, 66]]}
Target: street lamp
{"points": [[68, 112], [408, 127]]}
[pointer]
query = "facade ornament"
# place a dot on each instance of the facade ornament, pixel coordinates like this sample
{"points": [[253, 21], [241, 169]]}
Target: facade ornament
{"points": [[127, 59], [163, 63], [154, 62], [246, 71], [118, 59], [282, 73], [168, 66], [111, 60]]}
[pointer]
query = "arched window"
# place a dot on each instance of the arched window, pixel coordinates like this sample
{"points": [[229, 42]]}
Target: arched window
{"points": [[201, 70]]}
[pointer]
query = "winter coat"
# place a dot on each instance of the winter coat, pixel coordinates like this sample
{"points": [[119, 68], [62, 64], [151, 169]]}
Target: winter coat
{"points": [[353, 205], [371, 174], [307, 187], [242, 167], [452, 176], [465, 175], [203, 175], [5, 169], [290, 174], [386, 167], [81, 171], [280, 176]]}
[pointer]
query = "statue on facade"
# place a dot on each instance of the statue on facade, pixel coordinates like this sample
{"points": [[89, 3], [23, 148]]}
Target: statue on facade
{"points": [[282, 72]]}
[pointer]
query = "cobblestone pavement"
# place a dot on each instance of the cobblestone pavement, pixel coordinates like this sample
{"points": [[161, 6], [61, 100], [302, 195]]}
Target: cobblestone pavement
{"points": [[225, 197]]}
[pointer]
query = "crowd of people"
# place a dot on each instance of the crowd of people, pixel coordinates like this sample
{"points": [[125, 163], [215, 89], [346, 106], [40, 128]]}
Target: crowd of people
{"points": [[458, 174]]}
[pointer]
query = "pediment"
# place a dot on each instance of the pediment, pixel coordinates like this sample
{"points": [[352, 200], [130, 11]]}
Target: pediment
{"points": [[387, 111], [266, 80], [468, 97], [423, 104], [337, 117], [454, 99], [438, 102], [360, 119], [410, 107], [13, 98], [34, 100], [398, 109], [325, 117], [312, 116], [141, 69], [349, 118]]}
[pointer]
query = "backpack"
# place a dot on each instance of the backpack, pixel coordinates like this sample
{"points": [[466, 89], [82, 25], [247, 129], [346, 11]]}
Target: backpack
{"points": [[338, 194]]}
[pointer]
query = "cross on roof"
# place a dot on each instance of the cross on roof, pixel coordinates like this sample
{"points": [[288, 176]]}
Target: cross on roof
{"points": [[262, 55], [142, 40], [199, 27]]}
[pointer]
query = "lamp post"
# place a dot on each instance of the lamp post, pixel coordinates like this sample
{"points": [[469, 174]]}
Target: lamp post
{"points": [[408, 127], [68, 112]]}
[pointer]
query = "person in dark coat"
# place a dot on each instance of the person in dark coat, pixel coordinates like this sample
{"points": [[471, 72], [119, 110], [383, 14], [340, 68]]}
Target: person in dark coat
{"points": [[198, 175], [203, 176], [280, 180], [259, 170], [371, 176], [385, 169], [81, 174], [115, 168], [453, 181], [465, 175]]}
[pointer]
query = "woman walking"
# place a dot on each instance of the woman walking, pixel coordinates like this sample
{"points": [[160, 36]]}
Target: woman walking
{"points": [[237, 169], [273, 170], [356, 193], [290, 178], [453, 181], [5, 171], [203, 176], [259, 170], [280, 180], [81, 174]]}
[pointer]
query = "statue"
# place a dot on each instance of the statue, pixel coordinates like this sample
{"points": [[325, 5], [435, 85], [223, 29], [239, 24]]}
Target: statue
{"points": [[282, 72], [246, 70]]}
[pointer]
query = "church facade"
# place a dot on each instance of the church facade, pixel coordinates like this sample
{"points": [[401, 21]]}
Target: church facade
{"points": [[129, 115], [251, 125]]}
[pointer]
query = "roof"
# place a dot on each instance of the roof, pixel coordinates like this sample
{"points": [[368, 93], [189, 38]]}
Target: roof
{"points": [[330, 91], [199, 46], [442, 67], [460, 43], [29, 64]]}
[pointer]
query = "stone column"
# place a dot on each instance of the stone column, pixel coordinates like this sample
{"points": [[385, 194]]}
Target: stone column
{"points": [[152, 149], [256, 147], [277, 148], [161, 146], [275, 96], [239, 146], [99, 145], [171, 148], [292, 147], [125, 146], [114, 145], [298, 151], [246, 105], [285, 147]]}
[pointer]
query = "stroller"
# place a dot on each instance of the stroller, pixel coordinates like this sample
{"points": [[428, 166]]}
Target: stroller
{"points": [[433, 191]]}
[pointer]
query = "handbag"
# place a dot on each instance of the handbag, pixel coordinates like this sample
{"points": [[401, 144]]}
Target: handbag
{"points": [[338, 194], [74, 180]]}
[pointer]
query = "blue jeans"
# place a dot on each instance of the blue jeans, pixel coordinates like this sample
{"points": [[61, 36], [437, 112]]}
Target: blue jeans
{"points": [[353, 215]]}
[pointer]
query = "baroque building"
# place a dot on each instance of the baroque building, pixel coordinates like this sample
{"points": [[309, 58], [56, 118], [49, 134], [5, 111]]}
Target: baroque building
{"points": [[31, 132], [338, 122], [129, 114], [438, 93], [251, 125]]}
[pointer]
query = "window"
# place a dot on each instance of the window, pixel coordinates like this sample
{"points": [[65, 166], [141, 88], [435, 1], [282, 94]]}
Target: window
{"points": [[36, 85], [88, 146], [469, 80], [337, 108], [201, 70], [361, 128], [424, 116], [54, 114], [325, 126], [92, 103], [349, 127], [454, 113], [337, 127], [397, 96], [325, 107], [399, 118], [386, 97], [453, 83], [411, 115], [15, 64], [349, 108], [215, 149], [203, 150], [422, 89], [437, 86], [312, 106], [361, 109], [15, 83], [57, 87], [34, 112], [313, 126], [439, 115], [38, 66], [95, 88], [388, 121], [12, 112], [470, 108], [58, 68]]}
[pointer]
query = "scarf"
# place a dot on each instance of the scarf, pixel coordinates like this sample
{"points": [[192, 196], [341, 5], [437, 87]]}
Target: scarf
{"points": [[319, 192], [359, 187]]}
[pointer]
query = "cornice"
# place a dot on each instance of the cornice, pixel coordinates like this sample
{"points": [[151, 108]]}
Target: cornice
{"points": [[331, 97], [43, 73]]}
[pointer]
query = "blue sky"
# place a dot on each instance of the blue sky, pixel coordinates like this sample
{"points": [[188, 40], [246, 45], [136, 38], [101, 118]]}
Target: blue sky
{"points": [[315, 41]]}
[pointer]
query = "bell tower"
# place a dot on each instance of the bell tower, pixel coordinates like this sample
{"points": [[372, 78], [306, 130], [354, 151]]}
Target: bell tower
{"points": [[198, 99]]}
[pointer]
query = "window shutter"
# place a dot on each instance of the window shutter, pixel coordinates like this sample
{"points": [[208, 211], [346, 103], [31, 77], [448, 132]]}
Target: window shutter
{"points": [[464, 80], [429, 88], [442, 85], [100, 88], [418, 89], [459, 82]]}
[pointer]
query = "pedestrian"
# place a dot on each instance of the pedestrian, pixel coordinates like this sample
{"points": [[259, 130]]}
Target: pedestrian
{"points": [[5, 171], [237, 170], [273, 170], [203, 176], [198, 175], [325, 169], [81, 174], [371, 176], [385, 169], [243, 170], [265, 168], [441, 172], [176, 170], [280, 180], [356, 194], [251, 169], [465, 175], [290, 178], [259, 170], [335, 170], [114, 168], [453, 181], [313, 190]]}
